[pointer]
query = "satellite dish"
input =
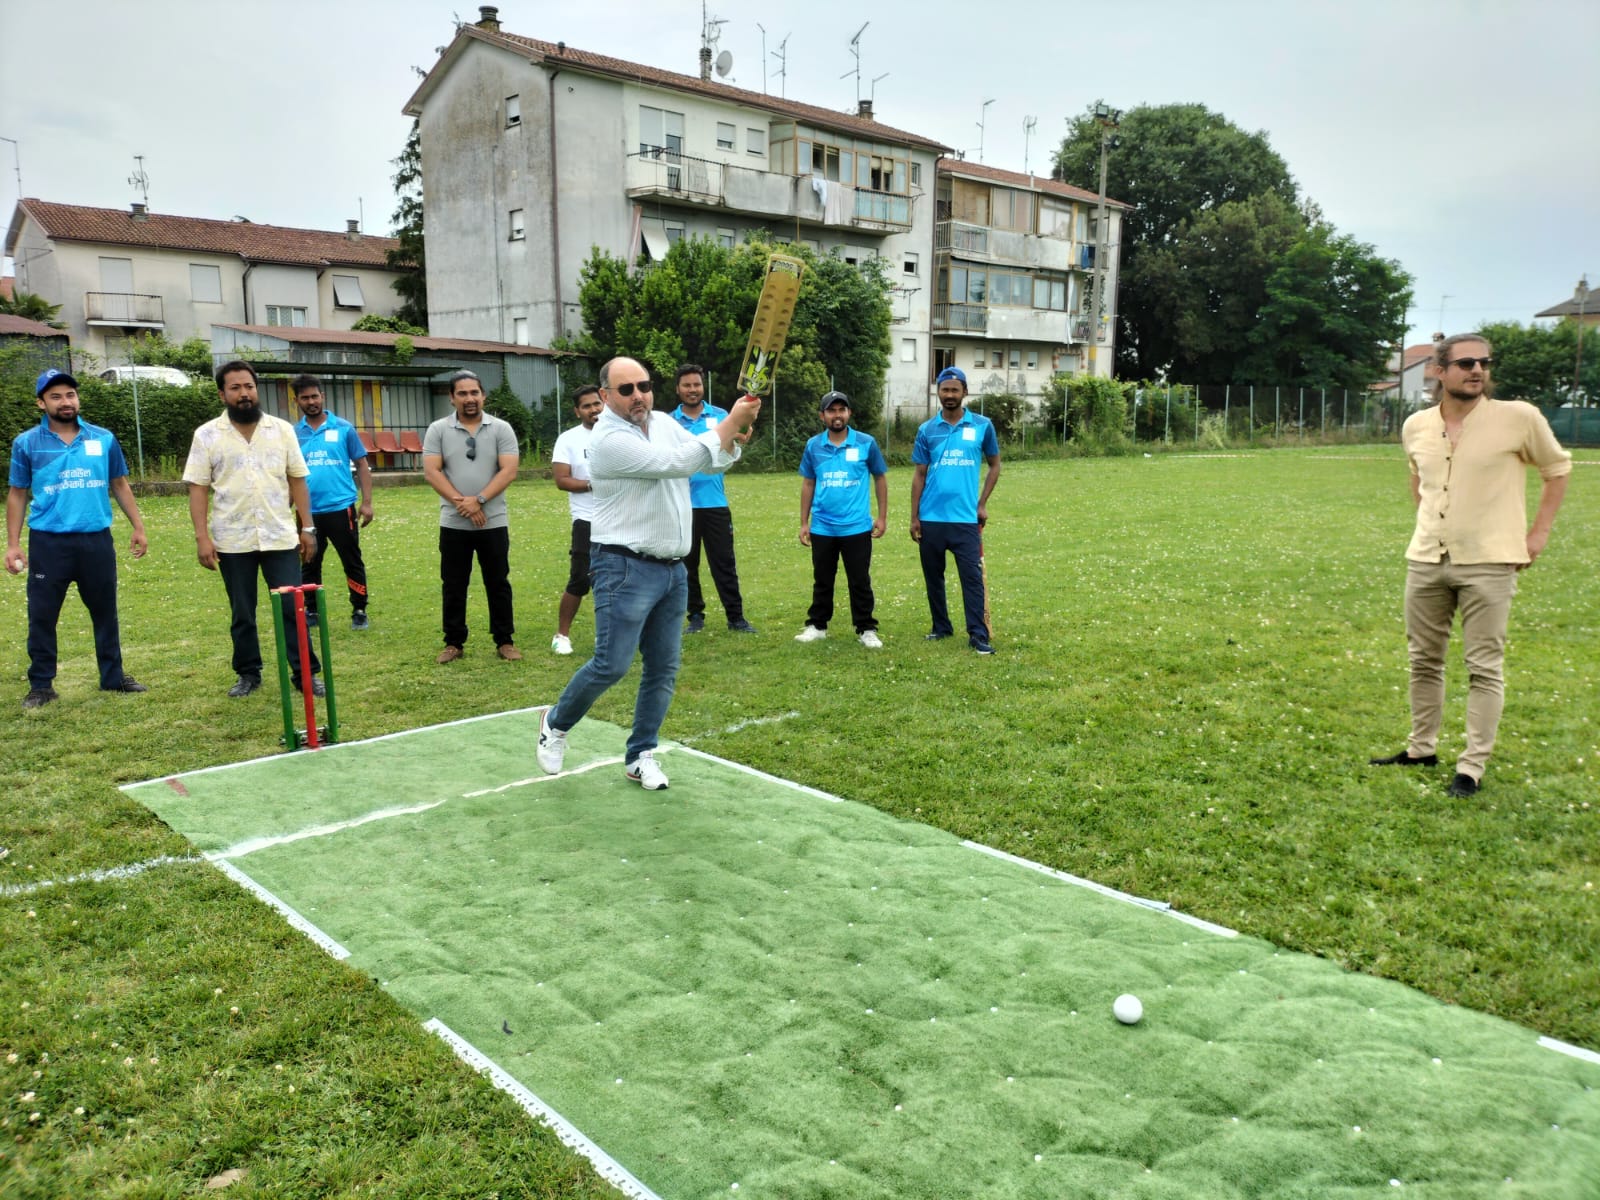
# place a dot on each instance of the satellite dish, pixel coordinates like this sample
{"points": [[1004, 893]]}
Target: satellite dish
{"points": [[724, 63]]}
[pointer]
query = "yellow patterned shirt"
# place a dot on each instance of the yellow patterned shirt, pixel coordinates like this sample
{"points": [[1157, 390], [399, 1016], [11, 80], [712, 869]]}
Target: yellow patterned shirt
{"points": [[249, 480]]}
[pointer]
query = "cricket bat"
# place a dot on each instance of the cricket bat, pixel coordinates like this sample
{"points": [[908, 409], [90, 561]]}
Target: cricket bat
{"points": [[770, 327], [983, 567]]}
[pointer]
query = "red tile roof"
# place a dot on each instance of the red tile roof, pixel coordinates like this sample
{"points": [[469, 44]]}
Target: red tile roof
{"points": [[570, 57], [10, 325], [1039, 183], [305, 336], [256, 243]]}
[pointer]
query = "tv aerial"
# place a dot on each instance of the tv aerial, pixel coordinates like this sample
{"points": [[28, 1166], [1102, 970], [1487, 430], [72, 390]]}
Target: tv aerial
{"points": [[140, 180]]}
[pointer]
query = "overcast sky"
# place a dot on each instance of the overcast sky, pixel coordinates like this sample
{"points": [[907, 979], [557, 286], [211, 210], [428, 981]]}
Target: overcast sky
{"points": [[1456, 136]]}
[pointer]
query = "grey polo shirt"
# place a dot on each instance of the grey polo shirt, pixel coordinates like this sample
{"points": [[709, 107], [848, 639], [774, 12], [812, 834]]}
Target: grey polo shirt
{"points": [[447, 439]]}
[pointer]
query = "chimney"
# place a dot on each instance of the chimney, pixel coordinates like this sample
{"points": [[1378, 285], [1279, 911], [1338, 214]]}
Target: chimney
{"points": [[489, 18], [352, 229], [705, 63], [139, 213], [864, 109]]}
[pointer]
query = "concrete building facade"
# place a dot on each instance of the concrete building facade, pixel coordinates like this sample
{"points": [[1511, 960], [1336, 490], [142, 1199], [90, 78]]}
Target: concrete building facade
{"points": [[116, 274], [535, 153]]}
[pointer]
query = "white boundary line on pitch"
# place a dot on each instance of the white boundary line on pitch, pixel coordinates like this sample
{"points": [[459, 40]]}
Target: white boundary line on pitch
{"points": [[334, 747], [737, 726], [1567, 1048], [128, 871], [285, 909], [614, 761], [604, 1165]]}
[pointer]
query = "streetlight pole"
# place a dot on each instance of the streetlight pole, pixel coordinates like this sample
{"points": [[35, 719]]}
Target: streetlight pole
{"points": [[1109, 118], [1582, 297]]}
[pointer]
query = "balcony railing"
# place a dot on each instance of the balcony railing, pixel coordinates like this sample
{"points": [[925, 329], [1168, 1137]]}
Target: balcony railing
{"points": [[969, 318], [961, 237], [670, 175], [123, 309]]}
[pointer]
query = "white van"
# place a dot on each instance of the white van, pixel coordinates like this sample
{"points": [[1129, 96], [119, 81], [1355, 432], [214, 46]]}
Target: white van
{"points": [[164, 375]]}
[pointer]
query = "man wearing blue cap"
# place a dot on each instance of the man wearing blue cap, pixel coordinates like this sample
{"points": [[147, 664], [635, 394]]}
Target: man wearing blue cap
{"points": [[73, 469], [948, 511], [836, 518]]}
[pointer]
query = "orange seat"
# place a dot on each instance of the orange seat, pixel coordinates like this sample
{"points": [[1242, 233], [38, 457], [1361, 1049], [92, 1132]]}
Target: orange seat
{"points": [[367, 443], [410, 441], [389, 446]]}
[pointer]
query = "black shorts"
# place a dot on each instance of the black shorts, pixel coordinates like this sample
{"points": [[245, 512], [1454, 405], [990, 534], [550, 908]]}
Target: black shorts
{"points": [[578, 576]]}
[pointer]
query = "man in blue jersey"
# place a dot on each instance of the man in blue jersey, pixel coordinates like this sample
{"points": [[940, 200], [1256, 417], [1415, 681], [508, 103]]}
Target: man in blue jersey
{"points": [[332, 447], [713, 519], [73, 469], [948, 511], [836, 518]]}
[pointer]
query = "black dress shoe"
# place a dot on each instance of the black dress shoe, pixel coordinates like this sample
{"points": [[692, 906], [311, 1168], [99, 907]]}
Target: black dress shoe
{"points": [[1405, 759], [1463, 786], [129, 684], [741, 626], [935, 636], [246, 685], [697, 623], [317, 688]]}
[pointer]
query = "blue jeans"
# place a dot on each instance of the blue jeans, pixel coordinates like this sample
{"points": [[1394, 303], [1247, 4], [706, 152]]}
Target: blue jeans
{"points": [[638, 605]]}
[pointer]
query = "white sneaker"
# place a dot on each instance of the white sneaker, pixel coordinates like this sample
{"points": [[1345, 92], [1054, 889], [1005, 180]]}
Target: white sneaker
{"points": [[871, 640], [811, 634], [552, 746], [561, 644], [647, 774]]}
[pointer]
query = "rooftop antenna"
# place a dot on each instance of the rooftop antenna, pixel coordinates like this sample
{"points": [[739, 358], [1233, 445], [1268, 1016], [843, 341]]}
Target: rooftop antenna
{"points": [[782, 55], [710, 32], [872, 88], [16, 150], [855, 49], [1029, 124], [140, 180], [983, 115], [763, 29]]}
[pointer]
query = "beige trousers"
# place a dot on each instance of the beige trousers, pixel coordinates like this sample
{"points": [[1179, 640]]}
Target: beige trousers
{"points": [[1482, 593]]}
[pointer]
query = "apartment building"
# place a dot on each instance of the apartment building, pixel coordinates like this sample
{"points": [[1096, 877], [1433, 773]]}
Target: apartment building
{"points": [[535, 152], [119, 273], [1014, 266]]}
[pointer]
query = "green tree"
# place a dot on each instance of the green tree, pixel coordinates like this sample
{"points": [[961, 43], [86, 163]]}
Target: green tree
{"points": [[696, 305], [409, 257], [34, 307], [1174, 162], [193, 355], [373, 323], [1537, 364], [1334, 309]]}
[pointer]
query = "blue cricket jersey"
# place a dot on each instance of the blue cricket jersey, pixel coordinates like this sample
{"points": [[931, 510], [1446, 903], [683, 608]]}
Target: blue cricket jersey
{"points": [[329, 453], [954, 456], [841, 505], [705, 490], [70, 481]]}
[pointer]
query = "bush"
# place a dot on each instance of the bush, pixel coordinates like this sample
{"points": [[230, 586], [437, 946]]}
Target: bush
{"points": [[505, 404], [1007, 410]]}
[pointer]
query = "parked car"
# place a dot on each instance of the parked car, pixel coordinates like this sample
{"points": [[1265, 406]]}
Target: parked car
{"points": [[164, 375]]}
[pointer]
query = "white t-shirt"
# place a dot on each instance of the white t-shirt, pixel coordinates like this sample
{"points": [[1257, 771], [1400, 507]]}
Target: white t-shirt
{"points": [[572, 448]]}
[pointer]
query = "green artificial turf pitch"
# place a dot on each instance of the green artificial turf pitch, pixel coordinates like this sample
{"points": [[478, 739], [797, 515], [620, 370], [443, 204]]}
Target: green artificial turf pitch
{"points": [[743, 981]]}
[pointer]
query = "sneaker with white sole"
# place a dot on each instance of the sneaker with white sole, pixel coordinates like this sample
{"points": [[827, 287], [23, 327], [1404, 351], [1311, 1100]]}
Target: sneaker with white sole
{"points": [[870, 639], [552, 746], [811, 634], [561, 644], [647, 773]]}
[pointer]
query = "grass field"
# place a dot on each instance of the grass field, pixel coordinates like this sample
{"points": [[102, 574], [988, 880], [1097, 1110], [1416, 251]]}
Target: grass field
{"points": [[1197, 656]]}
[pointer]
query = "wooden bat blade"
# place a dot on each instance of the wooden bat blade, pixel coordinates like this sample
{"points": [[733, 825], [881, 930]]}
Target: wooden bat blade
{"points": [[770, 327], [983, 566]]}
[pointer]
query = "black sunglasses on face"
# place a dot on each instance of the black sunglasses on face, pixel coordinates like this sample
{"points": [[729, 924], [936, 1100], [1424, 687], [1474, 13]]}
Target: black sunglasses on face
{"points": [[472, 447], [1466, 364], [644, 386]]}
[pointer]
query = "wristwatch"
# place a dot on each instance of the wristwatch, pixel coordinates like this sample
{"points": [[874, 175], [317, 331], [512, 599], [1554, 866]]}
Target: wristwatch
{"points": [[308, 529], [481, 501]]}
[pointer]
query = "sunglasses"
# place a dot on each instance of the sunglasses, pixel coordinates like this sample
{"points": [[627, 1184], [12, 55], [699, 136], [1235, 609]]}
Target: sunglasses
{"points": [[472, 447], [1466, 364], [644, 387]]}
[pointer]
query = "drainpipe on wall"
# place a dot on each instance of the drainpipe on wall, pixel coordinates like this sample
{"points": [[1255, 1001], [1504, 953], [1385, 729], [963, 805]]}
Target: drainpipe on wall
{"points": [[555, 219], [244, 283]]}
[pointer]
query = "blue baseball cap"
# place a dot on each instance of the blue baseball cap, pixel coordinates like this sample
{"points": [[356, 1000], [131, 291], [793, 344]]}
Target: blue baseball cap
{"points": [[953, 373], [53, 376]]}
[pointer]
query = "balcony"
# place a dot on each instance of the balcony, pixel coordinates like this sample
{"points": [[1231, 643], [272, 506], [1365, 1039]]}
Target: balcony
{"points": [[124, 310], [962, 238], [664, 174], [953, 317]]}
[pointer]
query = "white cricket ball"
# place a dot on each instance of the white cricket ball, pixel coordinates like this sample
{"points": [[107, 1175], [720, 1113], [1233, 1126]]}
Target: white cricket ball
{"points": [[1127, 1009]]}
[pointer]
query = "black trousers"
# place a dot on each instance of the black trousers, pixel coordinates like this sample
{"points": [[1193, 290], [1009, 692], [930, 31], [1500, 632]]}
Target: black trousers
{"points": [[713, 530], [279, 568], [962, 542], [826, 553], [55, 562], [341, 529], [492, 548]]}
